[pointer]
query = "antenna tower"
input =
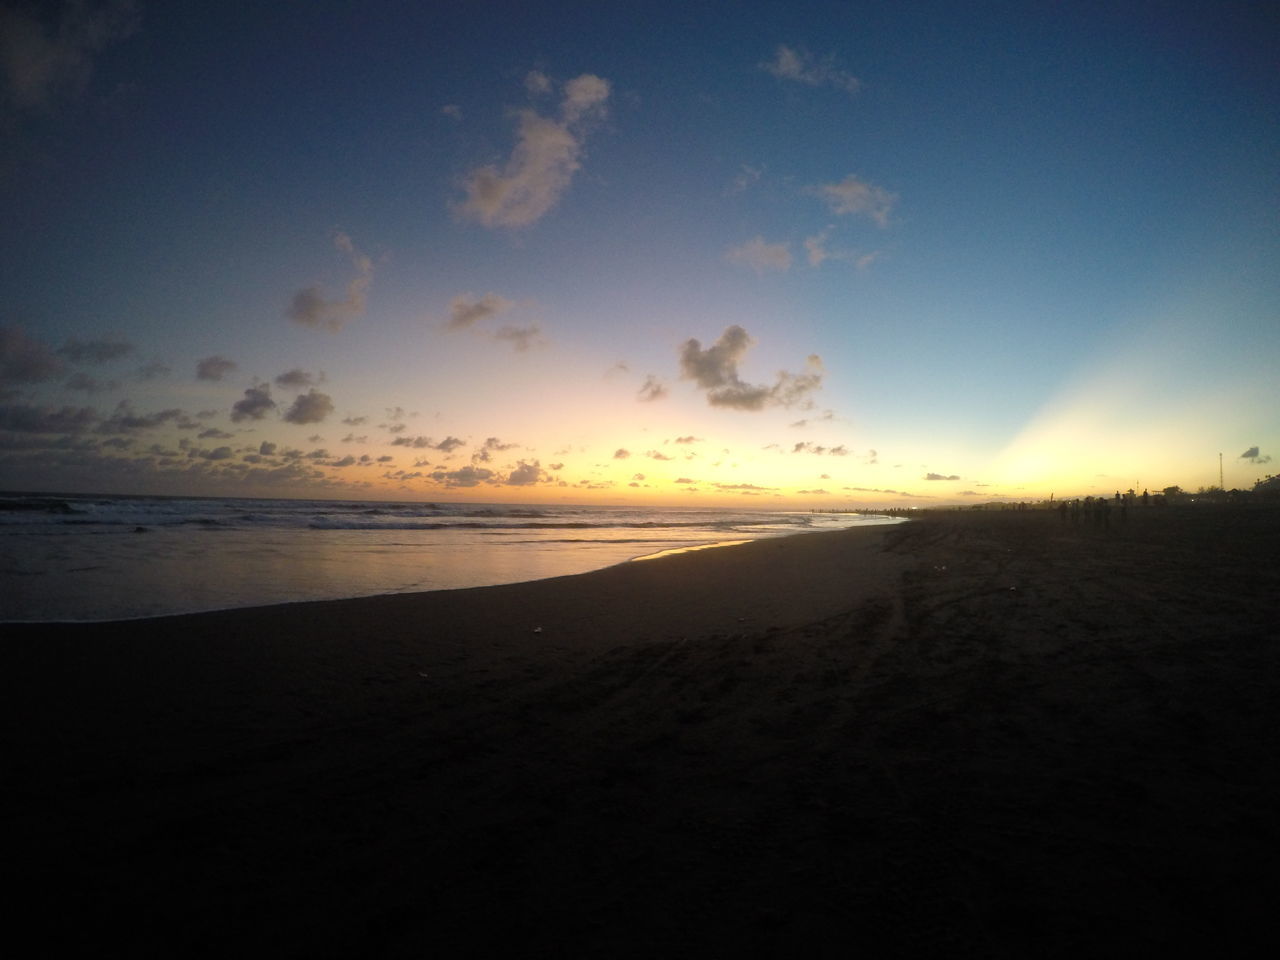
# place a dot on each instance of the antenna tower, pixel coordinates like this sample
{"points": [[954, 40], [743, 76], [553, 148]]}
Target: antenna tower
{"points": [[1221, 485]]}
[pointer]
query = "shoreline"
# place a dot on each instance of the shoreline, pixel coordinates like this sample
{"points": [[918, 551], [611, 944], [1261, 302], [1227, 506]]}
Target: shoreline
{"points": [[222, 563], [985, 733]]}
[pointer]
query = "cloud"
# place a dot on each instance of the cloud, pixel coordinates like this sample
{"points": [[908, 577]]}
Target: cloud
{"points": [[715, 369], [818, 253], [854, 196], [525, 474], [21, 418], [689, 439], [447, 445], [124, 420], [464, 477], [465, 310], [82, 381], [652, 389], [747, 176], [621, 454], [452, 110], [40, 64], [213, 433], [542, 164], [491, 446], [761, 256], [657, 455], [266, 448], [804, 446], [939, 476], [309, 407], [309, 306], [153, 370], [826, 415], [257, 403], [1253, 455], [793, 63], [537, 83], [214, 368], [24, 359], [296, 379], [522, 338], [94, 351]]}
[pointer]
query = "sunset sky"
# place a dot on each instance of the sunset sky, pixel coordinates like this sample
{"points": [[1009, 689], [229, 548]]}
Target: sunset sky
{"points": [[806, 254]]}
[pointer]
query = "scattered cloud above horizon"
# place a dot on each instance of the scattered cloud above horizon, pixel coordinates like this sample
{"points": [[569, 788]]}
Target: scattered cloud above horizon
{"points": [[521, 338], [797, 64], [746, 177], [42, 61], [296, 379], [939, 476], [1253, 455], [852, 196], [715, 369], [214, 368], [760, 256], [24, 359], [547, 154], [465, 310], [255, 404], [484, 453], [309, 407], [94, 351], [309, 306], [652, 389]]}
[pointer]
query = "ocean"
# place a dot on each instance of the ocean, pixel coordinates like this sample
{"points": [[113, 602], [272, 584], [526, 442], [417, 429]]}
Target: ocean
{"points": [[113, 557]]}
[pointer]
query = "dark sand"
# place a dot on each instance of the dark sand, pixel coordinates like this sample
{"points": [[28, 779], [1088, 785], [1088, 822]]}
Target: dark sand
{"points": [[977, 734]]}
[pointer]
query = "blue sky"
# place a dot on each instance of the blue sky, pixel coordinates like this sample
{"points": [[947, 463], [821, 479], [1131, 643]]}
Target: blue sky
{"points": [[813, 254]]}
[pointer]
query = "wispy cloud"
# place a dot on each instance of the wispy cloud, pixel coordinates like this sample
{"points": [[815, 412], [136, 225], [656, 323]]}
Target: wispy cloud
{"points": [[309, 306], [24, 418], [652, 389], [761, 256], [747, 176], [24, 359], [520, 338], [852, 196], [546, 156], [43, 61], [94, 351], [465, 310], [1254, 455], [797, 64], [297, 379], [214, 368], [715, 369], [484, 453]]}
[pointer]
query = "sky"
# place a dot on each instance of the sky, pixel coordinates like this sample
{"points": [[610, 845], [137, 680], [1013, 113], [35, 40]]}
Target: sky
{"points": [[803, 255]]}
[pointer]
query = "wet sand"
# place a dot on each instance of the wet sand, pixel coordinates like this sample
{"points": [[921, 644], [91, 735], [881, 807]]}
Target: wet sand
{"points": [[985, 734]]}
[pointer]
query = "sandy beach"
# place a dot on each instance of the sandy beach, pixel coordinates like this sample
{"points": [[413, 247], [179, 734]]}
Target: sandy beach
{"points": [[979, 733]]}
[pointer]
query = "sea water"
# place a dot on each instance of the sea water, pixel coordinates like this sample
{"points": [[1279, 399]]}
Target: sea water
{"points": [[112, 557]]}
